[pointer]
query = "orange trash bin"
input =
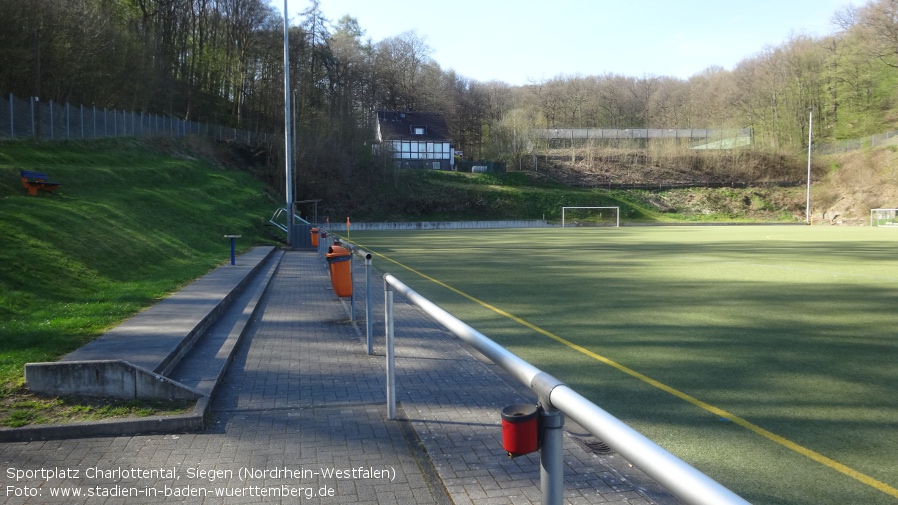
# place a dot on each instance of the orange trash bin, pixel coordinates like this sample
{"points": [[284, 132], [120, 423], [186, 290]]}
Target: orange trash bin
{"points": [[339, 261], [314, 237]]}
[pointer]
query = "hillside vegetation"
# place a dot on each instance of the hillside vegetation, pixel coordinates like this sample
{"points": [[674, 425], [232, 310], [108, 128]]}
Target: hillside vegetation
{"points": [[132, 222], [741, 186], [191, 59], [844, 186]]}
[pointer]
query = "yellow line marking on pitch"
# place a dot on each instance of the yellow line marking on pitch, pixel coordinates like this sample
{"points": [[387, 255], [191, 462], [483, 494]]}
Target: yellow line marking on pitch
{"points": [[773, 437]]}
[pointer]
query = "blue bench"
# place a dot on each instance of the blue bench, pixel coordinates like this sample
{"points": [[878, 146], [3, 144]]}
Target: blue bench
{"points": [[34, 181]]}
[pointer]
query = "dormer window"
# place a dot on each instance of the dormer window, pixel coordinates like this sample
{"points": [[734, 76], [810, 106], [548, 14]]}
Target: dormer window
{"points": [[419, 130]]}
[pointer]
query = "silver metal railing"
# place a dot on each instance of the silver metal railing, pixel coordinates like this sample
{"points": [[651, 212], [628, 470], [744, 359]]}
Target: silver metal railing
{"points": [[283, 212], [557, 400]]}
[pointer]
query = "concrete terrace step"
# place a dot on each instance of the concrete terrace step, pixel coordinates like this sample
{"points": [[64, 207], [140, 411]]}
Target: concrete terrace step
{"points": [[214, 331], [203, 367], [134, 359]]}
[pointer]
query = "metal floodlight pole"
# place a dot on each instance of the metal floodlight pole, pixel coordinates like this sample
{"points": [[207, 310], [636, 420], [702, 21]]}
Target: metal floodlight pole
{"points": [[288, 142], [807, 212]]}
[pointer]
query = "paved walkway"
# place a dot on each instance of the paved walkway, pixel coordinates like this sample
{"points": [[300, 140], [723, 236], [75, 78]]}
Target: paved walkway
{"points": [[302, 411]]}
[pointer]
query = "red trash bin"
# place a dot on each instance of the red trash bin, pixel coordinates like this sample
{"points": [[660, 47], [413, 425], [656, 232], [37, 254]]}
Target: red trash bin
{"points": [[339, 261], [519, 429], [314, 237]]}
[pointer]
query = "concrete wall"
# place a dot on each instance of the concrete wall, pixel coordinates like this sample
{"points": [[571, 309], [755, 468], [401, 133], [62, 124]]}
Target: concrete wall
{"points": [[112, 379]]}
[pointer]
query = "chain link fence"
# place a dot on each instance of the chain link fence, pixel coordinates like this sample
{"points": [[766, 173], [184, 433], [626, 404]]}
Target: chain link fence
{"points": [[844, 146], [25, 119], [31, 118]]}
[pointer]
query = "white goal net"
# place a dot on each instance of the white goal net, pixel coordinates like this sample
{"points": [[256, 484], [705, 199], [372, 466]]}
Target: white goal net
{"points": [[590, 216], [884, 217]]}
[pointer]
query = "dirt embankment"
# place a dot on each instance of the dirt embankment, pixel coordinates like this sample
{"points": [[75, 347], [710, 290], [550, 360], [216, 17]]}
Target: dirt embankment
{"points": [[844, 187], [855, 183]]}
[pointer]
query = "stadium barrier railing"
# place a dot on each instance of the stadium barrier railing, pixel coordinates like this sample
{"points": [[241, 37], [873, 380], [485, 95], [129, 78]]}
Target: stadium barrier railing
{"points": [[555, 399]]}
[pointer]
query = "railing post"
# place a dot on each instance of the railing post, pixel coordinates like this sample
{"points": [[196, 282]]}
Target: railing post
{"points": [[369, 306], [391, 372], [351, 297], [551, 457]]}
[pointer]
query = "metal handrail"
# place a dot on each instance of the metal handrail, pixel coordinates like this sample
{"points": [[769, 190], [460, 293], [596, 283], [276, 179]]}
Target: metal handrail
{"points": [[677, 476], [283, 227]]}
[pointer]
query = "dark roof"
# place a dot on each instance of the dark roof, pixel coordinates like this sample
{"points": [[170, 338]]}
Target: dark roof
{"points": [[401, 125]]}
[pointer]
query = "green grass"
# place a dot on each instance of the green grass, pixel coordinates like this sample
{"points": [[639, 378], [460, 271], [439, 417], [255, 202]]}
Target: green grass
{"points": [[132, 222], [791, 328], [33, 409]]}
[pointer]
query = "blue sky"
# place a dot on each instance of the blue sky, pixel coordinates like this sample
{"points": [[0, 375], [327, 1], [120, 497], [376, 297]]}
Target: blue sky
{"points": [[521, 41]]}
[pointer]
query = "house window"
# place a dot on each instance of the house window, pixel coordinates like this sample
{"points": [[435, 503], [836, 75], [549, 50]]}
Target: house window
{"points": [[419, 130]]}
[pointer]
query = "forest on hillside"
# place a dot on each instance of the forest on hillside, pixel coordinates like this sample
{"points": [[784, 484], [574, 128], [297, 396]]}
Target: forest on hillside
{"points": [[221, 61]]}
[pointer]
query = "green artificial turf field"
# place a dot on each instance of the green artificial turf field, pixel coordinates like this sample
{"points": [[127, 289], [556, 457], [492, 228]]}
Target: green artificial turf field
{"points": [[766, 357]]}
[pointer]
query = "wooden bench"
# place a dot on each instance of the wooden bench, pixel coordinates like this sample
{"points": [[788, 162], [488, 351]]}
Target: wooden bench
{"points": [[34, 181]]}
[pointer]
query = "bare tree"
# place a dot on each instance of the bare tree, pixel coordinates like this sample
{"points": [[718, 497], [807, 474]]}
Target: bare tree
{"points": [[399, 64], [877, 23]]}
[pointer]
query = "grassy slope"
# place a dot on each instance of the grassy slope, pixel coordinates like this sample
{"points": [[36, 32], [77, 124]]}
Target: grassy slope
{"points": [[131, 223]]}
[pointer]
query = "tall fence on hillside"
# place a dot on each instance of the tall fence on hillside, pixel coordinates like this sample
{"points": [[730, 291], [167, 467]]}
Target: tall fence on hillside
{"points": [[33, 119], [701, 138], [844, 146]]}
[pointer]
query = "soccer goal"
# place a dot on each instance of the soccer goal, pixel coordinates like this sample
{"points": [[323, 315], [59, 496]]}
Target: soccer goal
{"points": [[883, 217], [590, 216]]}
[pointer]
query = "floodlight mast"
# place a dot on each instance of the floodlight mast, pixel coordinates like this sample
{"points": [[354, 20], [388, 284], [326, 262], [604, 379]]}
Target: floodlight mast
{"points": [[288, 142]]}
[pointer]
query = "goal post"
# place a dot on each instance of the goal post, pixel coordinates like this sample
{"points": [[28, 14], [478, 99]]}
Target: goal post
{"points": [[884, 217], [590, 216]]}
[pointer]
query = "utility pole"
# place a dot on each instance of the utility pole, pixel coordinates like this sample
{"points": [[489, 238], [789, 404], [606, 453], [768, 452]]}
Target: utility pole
{"points": [[807, 212]]}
